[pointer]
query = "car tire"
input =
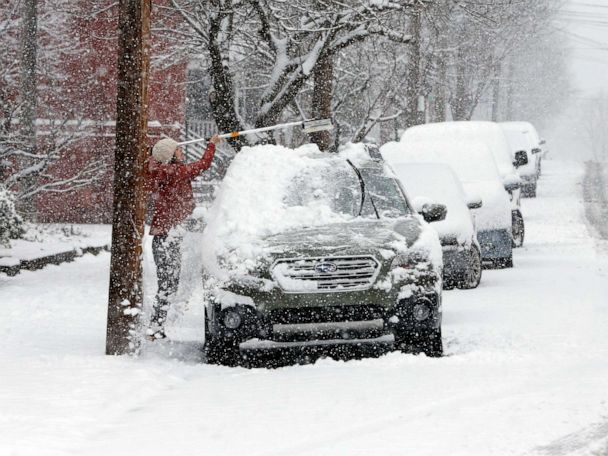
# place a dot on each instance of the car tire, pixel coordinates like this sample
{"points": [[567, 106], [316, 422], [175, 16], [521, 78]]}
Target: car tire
{"points": [[449, 284], [518, 229], [472, 277], [529, 191], [218, 350]]}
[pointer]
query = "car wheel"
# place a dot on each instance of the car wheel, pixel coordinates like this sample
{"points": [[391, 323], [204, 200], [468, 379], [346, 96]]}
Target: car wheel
{"points": [[449, 284], [518, 229], [473, 275], [427, 341], [218, 350], [529, 191]]}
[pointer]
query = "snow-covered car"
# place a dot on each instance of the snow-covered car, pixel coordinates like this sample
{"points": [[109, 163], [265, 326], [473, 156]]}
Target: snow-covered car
{"points": [[303, 246], [537, 144], [520, 139], [435, 182], [493, 136], [476, 169]]}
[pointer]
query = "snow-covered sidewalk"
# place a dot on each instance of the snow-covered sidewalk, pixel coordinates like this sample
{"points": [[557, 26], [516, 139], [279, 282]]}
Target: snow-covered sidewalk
{"points": [[46, 244], [526, 371]]}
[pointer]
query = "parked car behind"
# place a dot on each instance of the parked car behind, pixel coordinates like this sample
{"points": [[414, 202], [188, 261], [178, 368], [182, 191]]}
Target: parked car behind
{"points": [[520, 139], [303, 246], [492, 135], [475, 167], [537, 144], [435, 182]]}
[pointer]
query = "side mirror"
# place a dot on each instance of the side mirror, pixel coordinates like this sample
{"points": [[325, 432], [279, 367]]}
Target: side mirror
{"points": [[434, 212], [474, 202], [542, 142], [521, 158], [536, 150]]}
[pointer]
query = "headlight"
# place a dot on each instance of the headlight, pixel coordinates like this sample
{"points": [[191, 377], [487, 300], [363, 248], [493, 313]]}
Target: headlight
{"points": [[410, 260]]}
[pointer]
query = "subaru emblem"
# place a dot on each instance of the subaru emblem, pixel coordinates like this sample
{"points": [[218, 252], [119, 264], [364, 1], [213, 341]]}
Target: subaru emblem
{"points": [[326, 268]]}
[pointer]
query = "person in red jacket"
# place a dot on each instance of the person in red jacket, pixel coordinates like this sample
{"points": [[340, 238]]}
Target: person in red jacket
{"points": [[171, 180]]}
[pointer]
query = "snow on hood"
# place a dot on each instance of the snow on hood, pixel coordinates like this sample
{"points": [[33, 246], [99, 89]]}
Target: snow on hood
{"points": [[474, 166], [439, 183]]}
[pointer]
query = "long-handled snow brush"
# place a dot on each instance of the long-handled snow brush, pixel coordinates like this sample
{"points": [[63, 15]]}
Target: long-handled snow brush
{"points": [[308, 126]]}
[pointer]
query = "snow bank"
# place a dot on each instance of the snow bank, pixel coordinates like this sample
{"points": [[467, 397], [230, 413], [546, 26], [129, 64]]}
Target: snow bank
{"points": [[438, 183], [474, 166]]}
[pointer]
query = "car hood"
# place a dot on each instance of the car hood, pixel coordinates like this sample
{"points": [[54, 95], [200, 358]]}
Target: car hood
{"points": [[364, 236]]}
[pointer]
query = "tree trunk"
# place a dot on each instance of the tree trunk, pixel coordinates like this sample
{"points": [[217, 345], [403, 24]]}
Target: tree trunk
{"points": [[413, 115], [322, 99], [440, 105], [222, 98], [126, 293], [496, 93], [461, 99], [510, 91], [29, 96]]}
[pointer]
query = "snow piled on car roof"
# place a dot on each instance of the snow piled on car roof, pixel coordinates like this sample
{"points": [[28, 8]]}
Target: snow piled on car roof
{"points": [[489, 133]]}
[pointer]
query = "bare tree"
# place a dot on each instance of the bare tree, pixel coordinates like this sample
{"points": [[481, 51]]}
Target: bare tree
{"points": [[284, 42]]}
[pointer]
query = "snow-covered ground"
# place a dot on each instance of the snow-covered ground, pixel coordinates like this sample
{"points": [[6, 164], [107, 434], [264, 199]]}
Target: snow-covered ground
{"points": [[51, 239], [526, 370]]}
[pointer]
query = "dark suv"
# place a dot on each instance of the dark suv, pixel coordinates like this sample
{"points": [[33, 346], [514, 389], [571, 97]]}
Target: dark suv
{"points": [[372, 276]]}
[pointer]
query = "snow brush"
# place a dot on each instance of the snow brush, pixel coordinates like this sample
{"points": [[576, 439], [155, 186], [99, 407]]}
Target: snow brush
{"points": [[308, 126]]}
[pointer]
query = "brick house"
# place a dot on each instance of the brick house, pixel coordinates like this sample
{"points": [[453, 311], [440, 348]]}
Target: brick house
{"points": [[88, 99]]}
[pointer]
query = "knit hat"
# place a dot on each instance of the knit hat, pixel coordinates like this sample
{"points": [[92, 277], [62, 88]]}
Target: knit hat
{"points": [[164, 149]]}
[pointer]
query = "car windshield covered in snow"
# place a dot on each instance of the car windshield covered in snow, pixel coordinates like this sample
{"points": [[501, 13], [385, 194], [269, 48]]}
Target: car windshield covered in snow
{"points": [[347, 190]]}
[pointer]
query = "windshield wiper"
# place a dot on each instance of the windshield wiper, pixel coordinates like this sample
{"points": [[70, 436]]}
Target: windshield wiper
{"points": [[362, 184]]}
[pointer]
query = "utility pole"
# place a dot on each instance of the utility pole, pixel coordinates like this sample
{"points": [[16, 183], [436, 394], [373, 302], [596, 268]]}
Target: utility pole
{"points": [[29, 95], [126, 293]]}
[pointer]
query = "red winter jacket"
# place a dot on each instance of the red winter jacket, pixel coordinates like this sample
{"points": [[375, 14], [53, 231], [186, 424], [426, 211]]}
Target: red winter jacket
{"points": [[172, 182]]}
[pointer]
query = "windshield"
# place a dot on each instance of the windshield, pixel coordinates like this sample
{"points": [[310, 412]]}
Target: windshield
{"points": [[384, 196], [337, 189]]}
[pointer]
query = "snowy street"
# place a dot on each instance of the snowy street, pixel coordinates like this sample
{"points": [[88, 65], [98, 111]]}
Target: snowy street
{"points": [[525, 371]]}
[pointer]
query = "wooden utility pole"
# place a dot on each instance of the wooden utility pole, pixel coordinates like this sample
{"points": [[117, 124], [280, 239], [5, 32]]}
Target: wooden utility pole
{"points": [[126, 293], [29, 96]]}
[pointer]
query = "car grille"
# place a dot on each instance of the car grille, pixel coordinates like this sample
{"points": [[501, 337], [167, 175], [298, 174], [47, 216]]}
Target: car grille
{"points": [[300, 315], [321, 275]]}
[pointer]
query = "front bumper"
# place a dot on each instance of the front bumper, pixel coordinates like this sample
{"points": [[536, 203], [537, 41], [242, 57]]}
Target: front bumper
{"points": [[455, 262], [495, 244], [330, 321]]}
